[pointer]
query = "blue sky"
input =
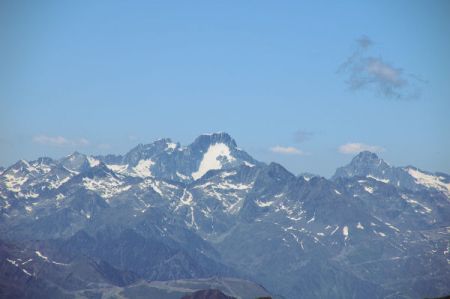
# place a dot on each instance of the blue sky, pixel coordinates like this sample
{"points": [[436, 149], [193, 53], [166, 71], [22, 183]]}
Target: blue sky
{"points": [[303, 84]]}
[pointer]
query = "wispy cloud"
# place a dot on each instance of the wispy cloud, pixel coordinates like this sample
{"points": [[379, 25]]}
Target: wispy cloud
{"points": [[364, 71], [354, 148], [286, 150], [301, 136], [59, 141]]}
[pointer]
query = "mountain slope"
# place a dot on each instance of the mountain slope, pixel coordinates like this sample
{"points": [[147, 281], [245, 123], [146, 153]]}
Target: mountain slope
{"points": [[164, 211]]}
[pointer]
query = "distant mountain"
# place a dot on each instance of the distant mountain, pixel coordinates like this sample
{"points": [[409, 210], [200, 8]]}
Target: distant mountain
{"points": [[164, 212], [169, 160], [369, 165]]}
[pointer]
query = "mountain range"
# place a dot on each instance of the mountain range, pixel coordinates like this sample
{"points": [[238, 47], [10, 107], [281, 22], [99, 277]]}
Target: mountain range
{"points": [[167, 221]]}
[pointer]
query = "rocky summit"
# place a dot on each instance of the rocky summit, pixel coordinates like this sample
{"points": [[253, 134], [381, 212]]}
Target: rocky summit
{"points": [[170, 221]]}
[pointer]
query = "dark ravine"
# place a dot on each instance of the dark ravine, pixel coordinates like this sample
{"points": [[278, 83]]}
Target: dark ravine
{"points": [[172, 220]]}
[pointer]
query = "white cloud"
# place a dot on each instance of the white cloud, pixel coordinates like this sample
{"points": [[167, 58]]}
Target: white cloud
{"points": [[59, 141], [354, 148], [286, 150]]}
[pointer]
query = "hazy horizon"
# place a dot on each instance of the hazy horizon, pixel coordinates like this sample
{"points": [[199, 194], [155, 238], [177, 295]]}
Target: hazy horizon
{"points": [[349, 157], [305, 85]]}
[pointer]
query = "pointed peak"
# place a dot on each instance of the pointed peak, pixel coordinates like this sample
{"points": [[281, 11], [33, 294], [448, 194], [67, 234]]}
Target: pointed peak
{"points": [[75, 162], [75, 156], [368, 158], [366, 155], [363, 164], [278, 171]]}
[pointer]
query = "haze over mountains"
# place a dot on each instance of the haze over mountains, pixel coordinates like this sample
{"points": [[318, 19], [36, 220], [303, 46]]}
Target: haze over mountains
{"points": [[119, 225]]}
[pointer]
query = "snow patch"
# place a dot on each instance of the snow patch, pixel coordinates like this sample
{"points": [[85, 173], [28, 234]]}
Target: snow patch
{"points": [[226, 174], [92, 161], [118, 168], [263, 204], [13, 262], [429, 181], [164, 189], [155, 186], [58, 183], [171, 146], [368, 189], [335, 230], [29, 194], [183, 177], [26, 272], [107, 187], [186, 199], [392, 227], [345, 232], [380, 233], [312, 219], [142, 169], [416, 203], [210, 159], [236, 206], [227, 185], [13, 183], [39, 254], [249, 164], [16, 264], [378, 179], [7, 205]]}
